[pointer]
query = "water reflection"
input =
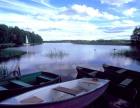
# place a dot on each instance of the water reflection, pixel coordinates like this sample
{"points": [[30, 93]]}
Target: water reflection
{"points": [[133, 53], [62, 58]]}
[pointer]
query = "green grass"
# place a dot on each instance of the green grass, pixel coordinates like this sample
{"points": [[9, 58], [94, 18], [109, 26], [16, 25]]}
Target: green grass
{"points": [[8, 53]]}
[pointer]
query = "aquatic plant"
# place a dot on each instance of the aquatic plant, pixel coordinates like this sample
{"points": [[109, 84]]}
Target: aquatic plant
{"points": [[8, 53], [56, 54], [3, 72], [133, 54]]}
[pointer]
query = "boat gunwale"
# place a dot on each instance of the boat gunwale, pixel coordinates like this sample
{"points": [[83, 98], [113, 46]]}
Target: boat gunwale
{"points": [[119, 68], [55, 102], [5, 94], [45, 73]]}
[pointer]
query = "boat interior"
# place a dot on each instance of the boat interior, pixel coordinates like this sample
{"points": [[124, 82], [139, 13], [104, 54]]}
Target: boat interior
{"points": [[57, 92], [27, 81], [124, 88]]}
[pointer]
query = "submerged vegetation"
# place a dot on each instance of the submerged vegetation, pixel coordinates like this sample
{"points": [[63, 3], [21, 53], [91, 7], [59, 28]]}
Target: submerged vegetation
{"points": [[56, 54], [127, 53], [8, 53], [134, 53], [3, 72], [17, 36]]}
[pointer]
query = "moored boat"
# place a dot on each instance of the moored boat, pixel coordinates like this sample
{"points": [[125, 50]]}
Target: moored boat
{"points": [[89, 73], [117, 80], [27, 82], [119, 87], [71, 94], [125, 80], [120, 70], [121, 73], [84, 72]]}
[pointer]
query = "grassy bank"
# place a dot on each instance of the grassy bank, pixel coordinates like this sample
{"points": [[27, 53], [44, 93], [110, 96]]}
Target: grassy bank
{"points": [[8, 54], [6, 45]]}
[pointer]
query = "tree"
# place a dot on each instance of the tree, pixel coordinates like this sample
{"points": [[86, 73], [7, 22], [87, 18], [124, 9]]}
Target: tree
{"points": [[3, 33], [135, 37], [17, 35]]}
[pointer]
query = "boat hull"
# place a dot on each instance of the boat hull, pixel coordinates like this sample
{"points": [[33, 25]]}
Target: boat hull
{"points": [[127, 73], [118, 77], [116, 86], [77, 102], [12, 92], [83, 72]]}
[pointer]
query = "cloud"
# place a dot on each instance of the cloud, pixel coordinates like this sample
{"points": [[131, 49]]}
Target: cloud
{"points": [[125, 22], [109, 16], [72, 22], [116, 2], [92, 12], [116, 29], [129, 12], [49, 29], [83, 9], [68, 12]]}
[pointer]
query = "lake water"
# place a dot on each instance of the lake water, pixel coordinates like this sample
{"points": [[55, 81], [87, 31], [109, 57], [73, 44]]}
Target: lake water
{"points": [[62, 58]]}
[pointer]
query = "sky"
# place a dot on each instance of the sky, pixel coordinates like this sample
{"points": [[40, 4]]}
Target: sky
{"points": [[73, 19]]}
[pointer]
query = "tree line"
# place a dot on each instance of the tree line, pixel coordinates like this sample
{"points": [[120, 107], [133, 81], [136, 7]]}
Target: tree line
{"points": [[17, 36], [135, 37]]}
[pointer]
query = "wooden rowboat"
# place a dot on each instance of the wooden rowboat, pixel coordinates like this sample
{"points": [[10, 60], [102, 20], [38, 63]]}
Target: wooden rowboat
{"points": [[84, 72], [120, 70], [89, 73], [126, 79], [118, 74], [71, 94], [27, 82], [120, 86]]}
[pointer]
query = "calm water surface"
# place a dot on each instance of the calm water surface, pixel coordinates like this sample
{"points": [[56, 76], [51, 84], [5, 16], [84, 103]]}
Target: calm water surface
{"points": [[62, 58]]}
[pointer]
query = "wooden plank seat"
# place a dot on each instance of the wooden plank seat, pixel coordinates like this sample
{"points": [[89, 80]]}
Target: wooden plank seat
{"points": [[44, 78], [126, 82], [20, 83], [121, 71], [73, 92], [2, 88], [32, 100], [91, 82]]}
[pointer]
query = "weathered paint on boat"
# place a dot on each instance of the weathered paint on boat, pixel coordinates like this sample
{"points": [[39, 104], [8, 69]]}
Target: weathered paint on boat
{"points": [[118, 74], [95, 90], [32, 79], [89, 73]]}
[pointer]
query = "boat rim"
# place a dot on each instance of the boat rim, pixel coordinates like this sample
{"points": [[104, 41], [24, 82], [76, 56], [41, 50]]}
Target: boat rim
{"points": [[55, 102]]}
